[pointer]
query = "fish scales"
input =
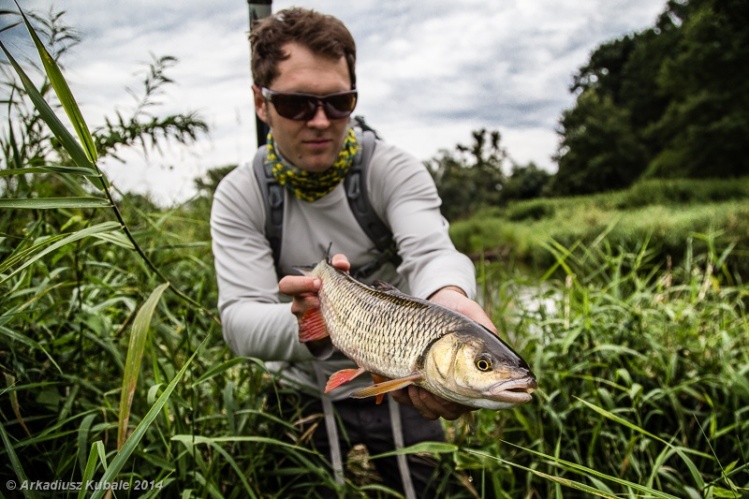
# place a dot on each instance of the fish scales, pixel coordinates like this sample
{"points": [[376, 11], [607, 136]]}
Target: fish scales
{"points": [[406, 340], [383, 332]]}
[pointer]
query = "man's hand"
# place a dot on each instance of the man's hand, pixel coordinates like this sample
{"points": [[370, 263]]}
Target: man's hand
{"points": [[303, 289], [455, 299], [430, 406]]}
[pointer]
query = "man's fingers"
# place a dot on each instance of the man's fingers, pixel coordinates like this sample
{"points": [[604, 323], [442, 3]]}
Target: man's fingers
{"points": [[340, 261], [431, 406], [293, 285]]}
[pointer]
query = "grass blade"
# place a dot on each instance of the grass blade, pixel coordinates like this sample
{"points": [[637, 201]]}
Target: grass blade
{"points": [[75, 236], [16, 463], [55, 203], [135, 349], [97, 448], [120, 459], [63, 93], [77, 154]]}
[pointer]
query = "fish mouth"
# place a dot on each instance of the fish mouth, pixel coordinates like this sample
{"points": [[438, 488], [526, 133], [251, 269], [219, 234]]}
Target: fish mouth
{"points": [[514, 391]]}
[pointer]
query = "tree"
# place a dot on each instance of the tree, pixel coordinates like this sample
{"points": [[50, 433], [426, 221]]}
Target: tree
{"points": [[599, 149], [705, 128], [669, 101], [525, 182], [471, 177]]}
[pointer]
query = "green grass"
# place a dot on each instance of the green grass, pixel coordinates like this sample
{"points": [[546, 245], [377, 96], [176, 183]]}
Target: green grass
{"points": [[693, 211], [643, 375]]}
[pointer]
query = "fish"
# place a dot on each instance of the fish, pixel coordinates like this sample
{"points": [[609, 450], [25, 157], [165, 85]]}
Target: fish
{"points": [[403, 340]]}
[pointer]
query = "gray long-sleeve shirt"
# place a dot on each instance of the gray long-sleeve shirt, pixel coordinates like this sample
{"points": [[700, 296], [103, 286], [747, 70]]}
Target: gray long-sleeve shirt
{"points": [[257, 320]]}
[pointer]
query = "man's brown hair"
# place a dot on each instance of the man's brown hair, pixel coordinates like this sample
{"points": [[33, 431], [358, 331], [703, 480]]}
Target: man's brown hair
{"points": [[322, 34]]}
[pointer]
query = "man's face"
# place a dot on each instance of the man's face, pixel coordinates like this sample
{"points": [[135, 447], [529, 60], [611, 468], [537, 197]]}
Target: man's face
{"points": [[310, 145]]}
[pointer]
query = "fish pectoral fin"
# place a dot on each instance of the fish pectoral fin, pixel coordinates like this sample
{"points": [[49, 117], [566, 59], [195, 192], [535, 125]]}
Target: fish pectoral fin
{"points": [[387, 386], [341, 377], [312, 326]]}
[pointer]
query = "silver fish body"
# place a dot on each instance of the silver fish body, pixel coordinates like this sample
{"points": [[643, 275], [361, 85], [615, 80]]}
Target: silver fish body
{"points": [[408, 340]]}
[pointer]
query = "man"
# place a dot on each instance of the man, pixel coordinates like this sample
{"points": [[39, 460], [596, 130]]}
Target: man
{"points": [[303, 66]]}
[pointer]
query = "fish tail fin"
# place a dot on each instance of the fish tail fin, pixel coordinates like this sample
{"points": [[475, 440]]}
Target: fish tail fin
{"points": [[312, 326]]}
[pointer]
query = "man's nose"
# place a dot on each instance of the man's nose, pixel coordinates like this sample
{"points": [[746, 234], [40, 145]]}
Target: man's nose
{"points": [[320, 119]]}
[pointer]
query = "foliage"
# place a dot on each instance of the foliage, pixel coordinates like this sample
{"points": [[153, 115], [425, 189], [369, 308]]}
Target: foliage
{"points": [[668, 212], [704, 128], [600, 151], [525, 182], [669, 101], [642, 372], [471, 177]]}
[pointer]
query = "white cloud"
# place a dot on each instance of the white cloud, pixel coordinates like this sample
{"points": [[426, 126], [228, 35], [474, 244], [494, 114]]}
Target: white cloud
{"points": [[429, 72]]}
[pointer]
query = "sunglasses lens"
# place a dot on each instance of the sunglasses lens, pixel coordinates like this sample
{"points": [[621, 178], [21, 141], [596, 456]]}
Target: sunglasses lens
{"points": [[339, 106], [301, 107], [295, 107]]}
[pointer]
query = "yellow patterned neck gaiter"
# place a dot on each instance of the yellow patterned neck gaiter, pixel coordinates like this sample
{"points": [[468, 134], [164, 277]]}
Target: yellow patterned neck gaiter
{"points": [[311, 186]]}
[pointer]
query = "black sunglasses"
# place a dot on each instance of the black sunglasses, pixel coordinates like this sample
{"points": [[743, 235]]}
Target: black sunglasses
{"points": [[303, 107]]}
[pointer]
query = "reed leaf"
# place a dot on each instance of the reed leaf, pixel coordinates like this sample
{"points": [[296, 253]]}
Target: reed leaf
{"points": [[97, 451], [430, 447], [36, 253], [55, 203], [63, 93], [682, 452], [582, 470], [135, 349], [83, 432], [15, 463], [72, 170], [68, 141], [199, 439]]}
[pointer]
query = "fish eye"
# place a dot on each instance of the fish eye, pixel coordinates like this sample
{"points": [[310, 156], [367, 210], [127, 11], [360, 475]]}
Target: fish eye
{"points": [[483, 364]]}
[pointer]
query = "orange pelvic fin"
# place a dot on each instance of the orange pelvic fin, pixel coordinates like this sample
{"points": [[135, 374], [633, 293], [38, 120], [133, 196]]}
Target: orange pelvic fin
{"points": [[387, 386], [341, 377], [312, 326], [379, 379]]}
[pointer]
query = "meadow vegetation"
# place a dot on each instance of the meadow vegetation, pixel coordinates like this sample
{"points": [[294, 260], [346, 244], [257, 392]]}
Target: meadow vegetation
{"points": [[634, 320], [666, 213]]}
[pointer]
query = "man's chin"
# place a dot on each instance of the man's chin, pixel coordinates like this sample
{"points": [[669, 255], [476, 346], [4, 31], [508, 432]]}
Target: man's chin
{"points": [[317, 163]]}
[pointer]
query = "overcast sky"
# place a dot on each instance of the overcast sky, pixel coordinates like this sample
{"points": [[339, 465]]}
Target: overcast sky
{"points": [[429, 71]]}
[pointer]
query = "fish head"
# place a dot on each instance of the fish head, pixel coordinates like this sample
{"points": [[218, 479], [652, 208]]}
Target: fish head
{"points": [[476, 368]]}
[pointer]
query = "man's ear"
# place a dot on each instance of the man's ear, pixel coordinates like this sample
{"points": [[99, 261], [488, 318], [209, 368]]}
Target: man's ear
{"points": [[261, 108]]}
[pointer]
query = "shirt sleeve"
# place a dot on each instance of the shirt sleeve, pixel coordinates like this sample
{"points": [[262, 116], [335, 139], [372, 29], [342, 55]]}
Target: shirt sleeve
{"points": [[255, 323], [405, 193]]}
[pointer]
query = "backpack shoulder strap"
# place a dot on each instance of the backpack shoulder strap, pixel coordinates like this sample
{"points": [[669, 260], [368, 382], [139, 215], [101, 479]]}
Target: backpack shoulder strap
{"points": [[358, 199], [273, 197]]}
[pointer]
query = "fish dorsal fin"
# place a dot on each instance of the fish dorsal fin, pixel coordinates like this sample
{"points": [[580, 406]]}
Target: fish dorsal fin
{"points": [[385, 287], [387, 386]]}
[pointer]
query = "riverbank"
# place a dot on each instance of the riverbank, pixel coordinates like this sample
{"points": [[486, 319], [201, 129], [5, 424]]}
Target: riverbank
{"points": [[661, 218]]}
